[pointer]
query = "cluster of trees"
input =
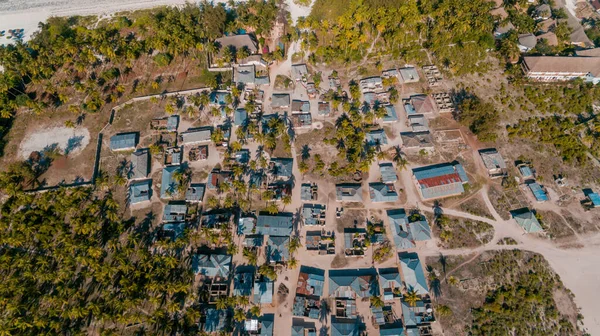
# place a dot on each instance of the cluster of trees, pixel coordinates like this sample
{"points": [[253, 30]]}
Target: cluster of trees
{"points": [[457, 31], [69, 262], [481, 117], [524, 302]]}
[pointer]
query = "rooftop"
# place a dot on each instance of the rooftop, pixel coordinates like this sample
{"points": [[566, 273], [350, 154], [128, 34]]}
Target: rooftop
{"points": [[349, 283], [566, 64], [381, 192], [537, 191], [195, 192], [168, 186], [276, 225], [440, 180], [140, 164], [310, 281], [527, 220], [349, 192], [140, 191], [123, 141], [277, 248], [280, 100], [238, 42], [212, 265], [388, 173], [412, 270]]}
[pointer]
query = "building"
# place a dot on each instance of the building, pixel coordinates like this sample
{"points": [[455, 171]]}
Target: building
{"points": [[310, 281], [198, 153], [240, 117], [261, 327], [348, 283], [238, 42], [212, 265], [503, 29], [550, 38], [169, 124], [280, 101], [218, 177], [418, 123], [441, 180], [419, 104], [594, 199], [277, 249], [246, 74], [538, 192], [263, 291], [390, 282], [168, 185], [140, 164], [390, 73], [124, 141], [344, 327], [196, 135], [195, 192], [390, 114], [562, 68], [140, 191], [527, 42], [382, 192], [174, 155], [417, 141], [303, 120], [314, 214], [324, 108], [395, 329], [275, 225], [493, 162], [282, 167], [416, 316], [348, 192], [399, 227], [543, 12], [216, 219], [174, 212], [527, 220], [243, 281], [388, 173], [172, 231], [300, 106], [409, 75], [376, 138], [412, 271], [371, 84], [299, 72]]}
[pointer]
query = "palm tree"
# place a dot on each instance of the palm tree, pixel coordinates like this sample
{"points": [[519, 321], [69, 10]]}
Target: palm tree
{"points": [[444, 311], [411, 297], [294, 244], [239, 315], [452, 280], [255, 311], [376, 301]]}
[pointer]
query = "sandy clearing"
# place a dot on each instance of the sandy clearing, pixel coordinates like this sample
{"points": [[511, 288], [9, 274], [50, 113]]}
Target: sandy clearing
{"points": [[70, 141], [26, 14]]}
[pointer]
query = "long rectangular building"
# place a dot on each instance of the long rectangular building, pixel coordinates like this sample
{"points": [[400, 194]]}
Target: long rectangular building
{"points": [[562, 68], [441, 180]]}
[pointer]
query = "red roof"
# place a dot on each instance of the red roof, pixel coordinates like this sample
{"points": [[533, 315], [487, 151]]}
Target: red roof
{"points": [[440, 180]]}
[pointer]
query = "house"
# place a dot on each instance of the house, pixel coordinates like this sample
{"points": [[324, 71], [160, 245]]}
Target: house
{"points": [[390, 73], [352, 283], [418, 123], [246, 74], [525, 171], [561, 68], [399, 226], [299, 72], [216, 219], [212, 265], [416, 316], [419, 228], [303, 120], [345, 308], [344, 327], [174, 212], [409, 75], [240, 117], [277, 249], [302, 329], [441, 180], [309, 306], [255, 60], [198, 153], [376, 138], [262, 293], [413, 274], [169, 124], [174, 155], [280, 189], [371, 84], [499, 13], [419, 104], [390, 282], [168, 185], [140, 191], [503, 29], [300, 106], [542, 12], [382, 192], [313, 214], [196, 135], [527, 42], [390, 114], [308, 192], [218, 177], [140, 164], [493, 162], [324, 108], [321, 241], [275, 225], [594, 199], [311, 281], [215, 320], [282, 167], [355, 242], [195, 192], [172, 231], [348, 192], [388, 173], [394, 329], [124, 141], [549, 37], [538, 192], [280, 101], [417, 141], [548, 26], [261, 327], [527, 220], [235, 43], [243, 281]]}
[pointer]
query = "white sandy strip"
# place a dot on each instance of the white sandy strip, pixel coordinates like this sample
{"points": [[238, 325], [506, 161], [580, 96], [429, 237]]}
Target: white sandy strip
{"points": [[26, 14], [63, 137]]}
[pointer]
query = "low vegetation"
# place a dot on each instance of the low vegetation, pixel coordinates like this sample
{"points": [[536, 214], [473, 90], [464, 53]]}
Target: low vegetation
{"points": [[461, 233]]}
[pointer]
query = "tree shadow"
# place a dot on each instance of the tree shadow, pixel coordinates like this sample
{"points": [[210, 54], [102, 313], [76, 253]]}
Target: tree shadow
{"points": [[73, 143], [305, 154]]}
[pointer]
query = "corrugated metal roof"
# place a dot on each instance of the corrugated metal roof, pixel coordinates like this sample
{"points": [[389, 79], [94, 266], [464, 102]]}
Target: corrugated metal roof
{"points": [[212, 265], [388, 173], [595, 198], [123, 141], [390, 115], [215, 320], [414, 276], [277, 225], [538, 192], [277, 248], [263, 292], [168, 186], [140, 191]]}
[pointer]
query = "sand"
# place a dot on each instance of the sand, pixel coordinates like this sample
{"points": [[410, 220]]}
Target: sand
{"points": [[26, 14], [70, 141]]}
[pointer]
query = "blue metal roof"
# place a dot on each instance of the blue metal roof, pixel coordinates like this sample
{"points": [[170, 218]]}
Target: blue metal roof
{"points": [[422, 173], [123, 141], [240, 116], [242, 283], [277, 248], [344, 328], [414, 276], [360, 282], [212, 265], [595, 198], [375, 137], [168, 186], [538, 192], [263, 292], [391, 115], [525, 171], [400, 232], [409, 109], [176, 229], [140, 191], [279, 225], [215, 320]]}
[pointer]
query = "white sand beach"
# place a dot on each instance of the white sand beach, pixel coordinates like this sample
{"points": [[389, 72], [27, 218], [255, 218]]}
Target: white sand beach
{"points": [[26, 14]]}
